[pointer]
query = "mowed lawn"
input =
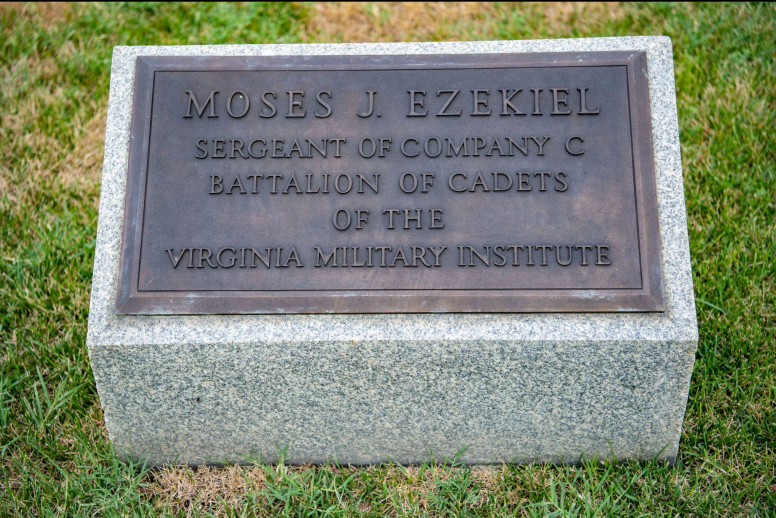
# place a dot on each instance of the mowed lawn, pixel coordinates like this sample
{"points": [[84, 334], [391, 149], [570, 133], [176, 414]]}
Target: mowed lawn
{"points": [[55, 459]]}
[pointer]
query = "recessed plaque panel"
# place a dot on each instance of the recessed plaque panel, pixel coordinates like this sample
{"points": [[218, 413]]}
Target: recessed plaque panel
{"points": [[384, 184]]}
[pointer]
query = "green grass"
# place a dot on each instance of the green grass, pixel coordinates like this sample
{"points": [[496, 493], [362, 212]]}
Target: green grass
{"points": [[55, 459]]}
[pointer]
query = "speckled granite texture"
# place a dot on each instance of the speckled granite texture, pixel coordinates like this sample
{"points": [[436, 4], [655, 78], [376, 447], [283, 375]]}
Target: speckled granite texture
{"points": [[369, 388]]}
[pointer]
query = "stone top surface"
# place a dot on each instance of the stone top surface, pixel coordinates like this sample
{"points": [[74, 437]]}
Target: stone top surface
{"points": [[677, 323]]}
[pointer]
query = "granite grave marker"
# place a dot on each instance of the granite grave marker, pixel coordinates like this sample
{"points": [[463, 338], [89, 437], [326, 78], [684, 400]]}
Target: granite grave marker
{"points": [[377, 251]]}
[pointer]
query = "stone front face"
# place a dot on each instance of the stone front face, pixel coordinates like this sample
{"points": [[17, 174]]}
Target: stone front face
{"points": [[358, 389]]}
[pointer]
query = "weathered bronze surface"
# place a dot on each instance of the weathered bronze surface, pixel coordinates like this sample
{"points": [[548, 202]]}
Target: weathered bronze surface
{"points": [[384, 184]]}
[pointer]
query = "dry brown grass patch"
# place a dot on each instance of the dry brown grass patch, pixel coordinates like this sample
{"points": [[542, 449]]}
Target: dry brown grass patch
{"points": [[392, 21], [222, 490], [562, 15], [215, 489], [45, 14], [84, 163], [449, 21], [43, 155]]}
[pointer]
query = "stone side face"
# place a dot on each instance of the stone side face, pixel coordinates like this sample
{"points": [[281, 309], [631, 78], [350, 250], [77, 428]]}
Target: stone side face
{"points": [[361, 389]]}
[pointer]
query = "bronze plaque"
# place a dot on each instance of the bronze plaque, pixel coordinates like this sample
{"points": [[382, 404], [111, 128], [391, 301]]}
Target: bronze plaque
{"points": [[391, 184]]}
